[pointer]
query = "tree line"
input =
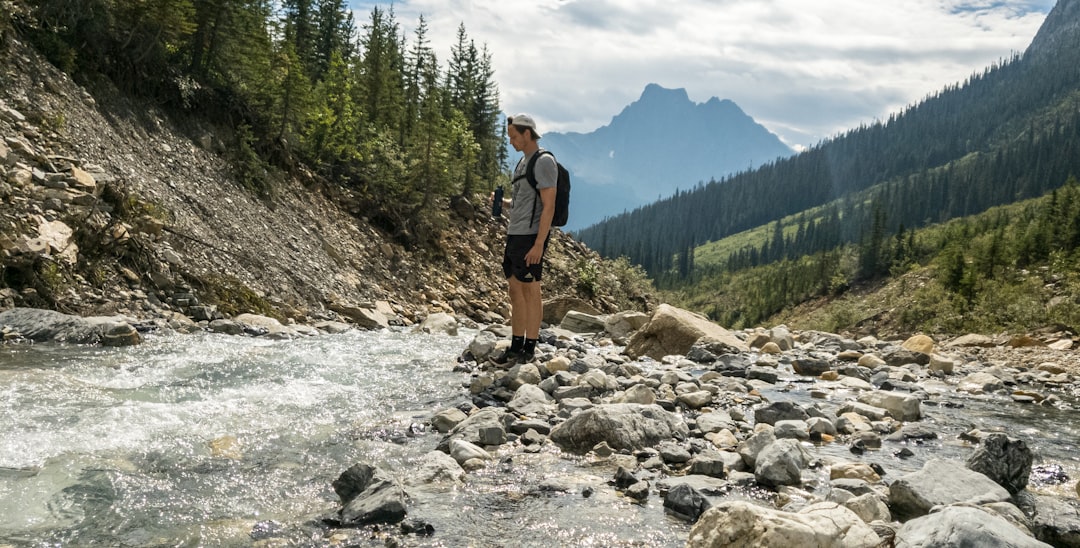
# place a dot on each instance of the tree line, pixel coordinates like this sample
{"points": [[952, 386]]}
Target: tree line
{"points": [[1005, 134], [297, 85]]}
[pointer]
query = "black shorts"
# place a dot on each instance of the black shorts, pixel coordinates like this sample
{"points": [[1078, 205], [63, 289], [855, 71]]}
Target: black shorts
{"points": [[517, 246]]}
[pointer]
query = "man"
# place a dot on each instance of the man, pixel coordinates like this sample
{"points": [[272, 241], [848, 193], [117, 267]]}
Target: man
{"points": [[530, 214]]}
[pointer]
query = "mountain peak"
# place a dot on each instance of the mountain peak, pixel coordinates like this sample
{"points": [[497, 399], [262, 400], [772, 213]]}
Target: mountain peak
{"points": [[656, 92]]}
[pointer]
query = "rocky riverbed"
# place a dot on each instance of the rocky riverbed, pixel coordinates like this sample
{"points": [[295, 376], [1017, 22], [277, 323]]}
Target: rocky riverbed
{"points": [[682, 413], [749, 438]]}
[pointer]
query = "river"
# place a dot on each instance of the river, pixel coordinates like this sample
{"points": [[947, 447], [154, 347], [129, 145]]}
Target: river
{"points": [[213, 440]]}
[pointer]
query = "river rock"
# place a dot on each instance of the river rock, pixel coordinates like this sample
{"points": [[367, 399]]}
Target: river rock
{"points": [[364, 317], [744, 524], [580, 322], [902, 407], [273, 328], [436, 467], [686, 502], [463, 451], [779, 411], [919, 343], [941, 482], [557, 307], [754, 445], [781, 463], [531, 400], [622, 324], [469, 429], [1054, 520], [41, 325], [447, 419], [1006, 461], [638, 393], [622, 425], [963, 526], [971, 340], [674, 331], [980, 383], [439, 322], [369, 495]]}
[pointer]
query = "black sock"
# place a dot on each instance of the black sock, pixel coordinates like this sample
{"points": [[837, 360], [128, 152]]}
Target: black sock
{"points": [[516, 343], [530, 346]]}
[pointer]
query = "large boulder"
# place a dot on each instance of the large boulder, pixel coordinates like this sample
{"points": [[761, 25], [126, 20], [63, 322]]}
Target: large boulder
{"points": [[41, 325], [941, 482], [673, 331], [963, 526], [622, 425], [740, 524]]}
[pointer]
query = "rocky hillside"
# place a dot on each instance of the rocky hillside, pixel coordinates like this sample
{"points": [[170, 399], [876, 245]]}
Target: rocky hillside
{"points": [[110, 206]]}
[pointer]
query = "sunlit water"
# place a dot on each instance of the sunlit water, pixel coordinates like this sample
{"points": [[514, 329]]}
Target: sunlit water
{"points": [[114, 447], [211, 440]]}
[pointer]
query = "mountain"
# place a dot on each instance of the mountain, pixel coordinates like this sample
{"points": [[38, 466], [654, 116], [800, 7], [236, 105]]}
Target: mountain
{"points": [[1008, 133], [658, 144]]}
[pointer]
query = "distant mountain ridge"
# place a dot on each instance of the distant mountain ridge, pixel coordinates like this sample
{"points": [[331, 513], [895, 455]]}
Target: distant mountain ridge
{"points": [[658, 144], [1008, 133]]}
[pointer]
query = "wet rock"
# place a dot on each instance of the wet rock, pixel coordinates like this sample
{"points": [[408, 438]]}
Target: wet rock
{"points": [[1005, 460], [962, 526], [686, 502], [369, 495], [902, 407], [436, 467], [529, 399], [47, 325]]}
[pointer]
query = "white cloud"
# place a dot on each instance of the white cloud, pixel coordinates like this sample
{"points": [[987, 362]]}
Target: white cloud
{"points": [[806, 70]]}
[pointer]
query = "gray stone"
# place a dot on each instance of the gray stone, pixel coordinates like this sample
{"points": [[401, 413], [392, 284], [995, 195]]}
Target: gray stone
{"points": [[941, 482], [744, 524], [781, 463], [621, 425], [963, 526]]}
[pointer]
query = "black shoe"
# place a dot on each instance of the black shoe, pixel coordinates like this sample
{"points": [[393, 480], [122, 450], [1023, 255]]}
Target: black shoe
{"points": [[526, 357], [506, 357]]}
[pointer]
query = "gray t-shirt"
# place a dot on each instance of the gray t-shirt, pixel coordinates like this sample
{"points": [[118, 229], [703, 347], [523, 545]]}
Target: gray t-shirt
{"points": [[524, 219]]}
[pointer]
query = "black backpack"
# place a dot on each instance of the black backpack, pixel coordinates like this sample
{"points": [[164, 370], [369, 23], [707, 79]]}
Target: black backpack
{"points": [[562, 189]]}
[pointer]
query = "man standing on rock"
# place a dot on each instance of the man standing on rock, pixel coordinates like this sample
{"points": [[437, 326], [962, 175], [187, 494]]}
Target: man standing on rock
{"points": [[530, 216]]}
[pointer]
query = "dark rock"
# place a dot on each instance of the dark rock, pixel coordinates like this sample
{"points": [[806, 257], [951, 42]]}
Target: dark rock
{"points": [[779, 411], [1006, 461], [686, 502], [369, 495]]}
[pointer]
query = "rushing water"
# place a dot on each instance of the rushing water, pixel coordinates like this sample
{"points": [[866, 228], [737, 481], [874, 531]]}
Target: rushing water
{"points": [[212, 440]]}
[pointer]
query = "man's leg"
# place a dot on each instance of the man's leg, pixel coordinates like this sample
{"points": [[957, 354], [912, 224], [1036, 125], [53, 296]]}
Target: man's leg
{"points": [[534, 309], [519, 306]]}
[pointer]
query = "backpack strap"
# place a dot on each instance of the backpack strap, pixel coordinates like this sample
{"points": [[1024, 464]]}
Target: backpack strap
{"points": [[530, 174]]}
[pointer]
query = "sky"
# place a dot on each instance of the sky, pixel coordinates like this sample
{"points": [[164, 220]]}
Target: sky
{"points": [[805, 69]]}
